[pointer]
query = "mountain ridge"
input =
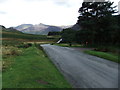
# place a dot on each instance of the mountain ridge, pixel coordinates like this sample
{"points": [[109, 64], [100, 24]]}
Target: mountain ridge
{"points": [[41, 29]]}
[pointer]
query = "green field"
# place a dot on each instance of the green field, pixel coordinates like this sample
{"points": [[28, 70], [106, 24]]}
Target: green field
{"points": [[25, 65], [19, 35], [30, 68]]}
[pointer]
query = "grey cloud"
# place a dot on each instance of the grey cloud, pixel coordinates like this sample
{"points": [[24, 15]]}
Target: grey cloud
{"points": [[2, 12], [119, 7], [58, 2], [63, 3], [34, 0], [1, 1]]}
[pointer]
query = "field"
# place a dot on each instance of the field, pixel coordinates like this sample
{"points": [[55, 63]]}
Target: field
{"points": [[29, 37], [26, 65]]}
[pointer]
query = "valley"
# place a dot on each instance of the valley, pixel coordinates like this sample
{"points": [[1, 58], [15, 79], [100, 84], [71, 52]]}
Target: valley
{"points": [[76, 46], [25, 64]]}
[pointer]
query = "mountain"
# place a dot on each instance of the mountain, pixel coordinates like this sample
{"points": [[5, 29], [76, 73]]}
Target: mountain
{"points": [[2, 28], [41, 29], [76, 27], [64, 27], [23, 26], [11, 29]]}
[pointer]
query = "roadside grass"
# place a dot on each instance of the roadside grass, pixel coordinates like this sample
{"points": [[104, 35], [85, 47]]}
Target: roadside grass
{"points": [[67, 45], [111, 52], [32, 69], [26, 66], [105, 55], [110, 48]]}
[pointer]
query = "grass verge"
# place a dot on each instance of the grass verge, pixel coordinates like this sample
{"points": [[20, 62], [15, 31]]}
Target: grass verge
{"points": [[110, 54], [67, 45], [32, 69], [104, 55]]}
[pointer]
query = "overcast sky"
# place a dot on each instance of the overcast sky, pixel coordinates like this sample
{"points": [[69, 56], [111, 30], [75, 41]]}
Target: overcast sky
{"points": [[51, 12]]}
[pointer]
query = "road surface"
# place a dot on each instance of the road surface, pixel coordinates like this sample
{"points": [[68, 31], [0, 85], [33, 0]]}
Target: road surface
{"points": [[82, 70]]}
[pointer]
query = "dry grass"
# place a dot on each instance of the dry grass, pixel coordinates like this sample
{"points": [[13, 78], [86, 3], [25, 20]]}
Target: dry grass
{"points": [[10, 50], [7, 53]]}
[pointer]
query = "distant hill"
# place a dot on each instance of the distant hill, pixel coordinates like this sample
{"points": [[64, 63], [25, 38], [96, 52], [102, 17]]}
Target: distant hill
{"points": [[41, 29], [76, 27], [64, 27], [2, 28], [23, 26], [8, 33], [10, 30]]}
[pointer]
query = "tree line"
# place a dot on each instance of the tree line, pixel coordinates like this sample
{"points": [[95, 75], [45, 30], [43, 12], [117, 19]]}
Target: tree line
{"points": [[98, 25]]}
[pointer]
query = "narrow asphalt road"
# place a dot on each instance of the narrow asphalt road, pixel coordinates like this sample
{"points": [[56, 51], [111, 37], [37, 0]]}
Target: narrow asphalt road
{"points": [[82, 70]]}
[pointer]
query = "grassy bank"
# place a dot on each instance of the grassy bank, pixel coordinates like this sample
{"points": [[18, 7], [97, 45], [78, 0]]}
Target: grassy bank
{"points": [[30, 68], [67, 45], [105, 55]]}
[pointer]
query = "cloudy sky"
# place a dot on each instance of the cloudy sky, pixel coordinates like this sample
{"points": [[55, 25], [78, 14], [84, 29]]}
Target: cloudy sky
{"points": [[51, 12]]}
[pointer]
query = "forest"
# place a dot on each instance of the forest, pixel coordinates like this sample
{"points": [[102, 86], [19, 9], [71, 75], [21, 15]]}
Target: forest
{"points": [[99, 25]]}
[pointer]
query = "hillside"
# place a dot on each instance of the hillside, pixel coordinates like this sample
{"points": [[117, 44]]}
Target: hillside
{"points": [[40, 29], [10, 33], [23, 26], [8, 30]]}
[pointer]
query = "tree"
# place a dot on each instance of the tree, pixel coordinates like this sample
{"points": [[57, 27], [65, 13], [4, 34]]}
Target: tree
{"points": [[54, 33], [68, 36], [95, 18]]}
